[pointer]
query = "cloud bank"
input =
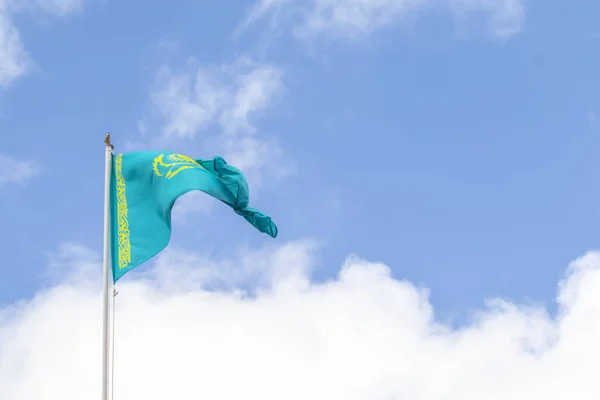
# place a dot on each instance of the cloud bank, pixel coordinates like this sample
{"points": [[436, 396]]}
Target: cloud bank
{"points": [[255, 326]]}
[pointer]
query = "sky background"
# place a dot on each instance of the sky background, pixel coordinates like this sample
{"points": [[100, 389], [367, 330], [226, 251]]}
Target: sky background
{"points": [[451, 143]]}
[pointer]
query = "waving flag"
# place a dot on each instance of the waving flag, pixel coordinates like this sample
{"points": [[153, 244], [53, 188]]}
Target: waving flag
{"points": [[144, 188]]}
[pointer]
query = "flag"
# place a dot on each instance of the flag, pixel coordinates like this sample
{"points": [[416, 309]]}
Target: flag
{"points": [[144, 188]]}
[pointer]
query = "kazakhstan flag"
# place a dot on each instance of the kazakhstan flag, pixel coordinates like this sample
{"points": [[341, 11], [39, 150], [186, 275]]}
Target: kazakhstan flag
{"points": [[144, 188]]}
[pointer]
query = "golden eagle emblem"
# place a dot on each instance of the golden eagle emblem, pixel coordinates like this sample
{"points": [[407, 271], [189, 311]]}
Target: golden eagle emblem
{"points": [[173, 164]]}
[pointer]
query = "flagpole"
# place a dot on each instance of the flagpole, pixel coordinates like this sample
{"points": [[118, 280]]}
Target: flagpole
{"points": [[107, 275]]}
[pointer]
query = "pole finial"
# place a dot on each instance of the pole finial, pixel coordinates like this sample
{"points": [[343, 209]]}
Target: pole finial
{"points": [[107, 141]]}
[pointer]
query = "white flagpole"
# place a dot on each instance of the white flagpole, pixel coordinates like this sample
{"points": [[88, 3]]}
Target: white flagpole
{"points": [[108, 284]]}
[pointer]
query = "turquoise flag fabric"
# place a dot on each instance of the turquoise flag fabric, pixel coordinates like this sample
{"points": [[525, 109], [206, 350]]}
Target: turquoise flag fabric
{"points": [[145, 186]]}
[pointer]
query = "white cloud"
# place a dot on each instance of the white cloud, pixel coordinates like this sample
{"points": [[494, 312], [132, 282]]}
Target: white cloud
{"points": [[15, 170], [505, 18], [187, 103], [351, 19], [14, 60], [252, 269], [256, 90], [60, 8], [193, 202], [363, 335], [229, 97], [255, 157]]}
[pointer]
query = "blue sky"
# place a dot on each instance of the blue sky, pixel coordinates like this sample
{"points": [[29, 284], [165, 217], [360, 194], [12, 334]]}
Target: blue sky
{"points": [[462, 159], [453, 141]]}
